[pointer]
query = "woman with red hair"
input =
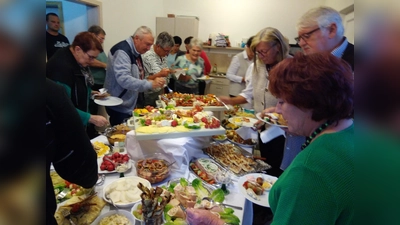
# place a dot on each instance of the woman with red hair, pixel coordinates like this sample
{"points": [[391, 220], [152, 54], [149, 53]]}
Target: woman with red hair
{"points": [[315, 96]]}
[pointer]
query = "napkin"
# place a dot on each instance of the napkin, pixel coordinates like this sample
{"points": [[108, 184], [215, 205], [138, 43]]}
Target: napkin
{"points": [[247, 133], [270, 133]]}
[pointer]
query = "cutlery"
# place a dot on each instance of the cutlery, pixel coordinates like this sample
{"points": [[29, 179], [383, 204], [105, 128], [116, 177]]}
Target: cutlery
{"points": [[227, 107], [67, 215], [213, 203], [62, 194]]}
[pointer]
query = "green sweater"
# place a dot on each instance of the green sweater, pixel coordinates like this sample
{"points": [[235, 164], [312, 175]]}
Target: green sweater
{"points": [[318, 187]]}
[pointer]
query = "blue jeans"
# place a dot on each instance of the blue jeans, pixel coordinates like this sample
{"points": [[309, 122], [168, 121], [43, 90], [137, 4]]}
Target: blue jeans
{"points": [[117, 117]]}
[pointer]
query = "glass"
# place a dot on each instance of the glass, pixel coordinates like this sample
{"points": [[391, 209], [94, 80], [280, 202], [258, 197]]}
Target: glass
{"points": [[156, 220], [223, 177], [90, 56], [165, 50], [305, 36], [264, 52]]}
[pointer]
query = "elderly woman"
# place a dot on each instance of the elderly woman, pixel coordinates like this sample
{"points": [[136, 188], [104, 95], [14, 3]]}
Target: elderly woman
{"points": [[315, 96], [270, 47], [69, 67], [193, 66]]}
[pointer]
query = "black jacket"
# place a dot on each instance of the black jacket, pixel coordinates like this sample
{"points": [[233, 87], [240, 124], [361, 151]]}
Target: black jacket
{"points": [[348, 55], [67, 146]]}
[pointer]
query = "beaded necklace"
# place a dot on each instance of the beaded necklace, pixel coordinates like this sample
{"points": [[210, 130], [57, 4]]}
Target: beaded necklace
{"points": [[315, 133]]}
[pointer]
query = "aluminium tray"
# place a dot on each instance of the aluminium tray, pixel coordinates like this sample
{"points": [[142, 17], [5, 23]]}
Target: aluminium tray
{"points": [[220, 152]]}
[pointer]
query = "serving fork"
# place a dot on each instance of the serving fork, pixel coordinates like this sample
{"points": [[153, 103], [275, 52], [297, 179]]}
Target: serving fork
{"points": [[67, 215]]}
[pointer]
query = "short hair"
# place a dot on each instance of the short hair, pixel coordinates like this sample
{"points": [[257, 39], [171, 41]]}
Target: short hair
{"points": [[96, 30], [323, 16], [248, 43], [274, 36], [195, 42], [50, 14], [320, 82], [177, 40], [87, 41], [141, 31], [187, 40], [164, 39]]}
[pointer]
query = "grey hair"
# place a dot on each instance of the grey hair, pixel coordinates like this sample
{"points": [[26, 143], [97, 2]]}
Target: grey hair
{"points": [[323, 16], [273, 36], [141, 31], [96, 30], [164, 39], [196, 42]]}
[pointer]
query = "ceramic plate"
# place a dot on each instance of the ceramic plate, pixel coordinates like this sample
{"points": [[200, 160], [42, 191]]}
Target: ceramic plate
{"points": [[264, 197], [109, 101], [243, 121], [258, 115]]}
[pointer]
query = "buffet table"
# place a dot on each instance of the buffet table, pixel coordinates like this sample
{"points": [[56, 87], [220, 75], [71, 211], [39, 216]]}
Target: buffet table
{"points": [[181, 150]]}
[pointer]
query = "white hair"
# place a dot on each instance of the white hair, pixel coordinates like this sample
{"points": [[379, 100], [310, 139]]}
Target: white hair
{"points": [[141, 31], [323, 16]]}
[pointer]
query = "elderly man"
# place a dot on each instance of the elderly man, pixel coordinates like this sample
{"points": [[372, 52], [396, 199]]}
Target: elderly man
{"points": [[155, 65], [125, 74], [321, 30]]}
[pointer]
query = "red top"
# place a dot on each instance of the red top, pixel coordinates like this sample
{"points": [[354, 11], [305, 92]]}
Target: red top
{"points": [[207, 64]]}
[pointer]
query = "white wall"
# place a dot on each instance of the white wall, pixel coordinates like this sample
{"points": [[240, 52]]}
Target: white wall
{"points": [[242, 18], [339, 4], [121, 18], [236, 18]]}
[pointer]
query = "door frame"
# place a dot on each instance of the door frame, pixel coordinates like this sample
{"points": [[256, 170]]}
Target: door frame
{"points": [[95, 13], [59, 7]]}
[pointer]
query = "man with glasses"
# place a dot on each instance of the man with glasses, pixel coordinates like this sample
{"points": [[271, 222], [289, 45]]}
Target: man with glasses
{"points": [[125, 74], [321, 30], [155, 65]]}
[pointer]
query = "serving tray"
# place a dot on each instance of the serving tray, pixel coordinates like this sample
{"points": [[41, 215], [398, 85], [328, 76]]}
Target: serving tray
{"points": [[236, 159]]}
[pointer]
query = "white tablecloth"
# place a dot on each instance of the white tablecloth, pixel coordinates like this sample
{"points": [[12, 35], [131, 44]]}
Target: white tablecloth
{"points": [[182, 150]]}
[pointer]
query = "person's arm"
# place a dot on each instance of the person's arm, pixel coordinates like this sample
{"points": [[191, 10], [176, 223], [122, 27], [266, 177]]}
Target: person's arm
{"points": [[74, 158], [233, 69], [97, 63], [207, 64], [202, 216], [247, 92], [123, 73]]}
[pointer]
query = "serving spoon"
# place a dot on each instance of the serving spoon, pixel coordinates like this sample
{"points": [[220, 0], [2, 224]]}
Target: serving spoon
{"points": [[213, 203]]}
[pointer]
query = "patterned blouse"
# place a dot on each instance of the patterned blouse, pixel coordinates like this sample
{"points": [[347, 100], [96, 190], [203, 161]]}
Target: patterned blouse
{"points": [[193, 69]]}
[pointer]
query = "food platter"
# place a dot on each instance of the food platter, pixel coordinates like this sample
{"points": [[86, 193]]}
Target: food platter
{"points": [[234, 138], [236, 159], [109, 101], [264, 197], [271, 122], [129, 184], [99, 160], [206, 170], [243, 121], [220, 138]]}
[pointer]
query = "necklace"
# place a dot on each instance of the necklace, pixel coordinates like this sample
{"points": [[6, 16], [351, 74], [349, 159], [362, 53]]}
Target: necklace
{"points": [[315, 133]]}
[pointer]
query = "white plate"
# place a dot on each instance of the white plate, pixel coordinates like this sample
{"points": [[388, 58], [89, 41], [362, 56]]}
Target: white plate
{"points": [[100, 160], [258, 115], [244, 124], [205, 78], [263, 198], [138, 192], [128, 215], [109, 101]]}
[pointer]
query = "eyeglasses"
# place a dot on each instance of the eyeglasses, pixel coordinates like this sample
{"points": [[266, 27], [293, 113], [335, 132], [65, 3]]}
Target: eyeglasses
{"points": [[264, 52], [90, 56], [165, 50], [305, 36]]}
